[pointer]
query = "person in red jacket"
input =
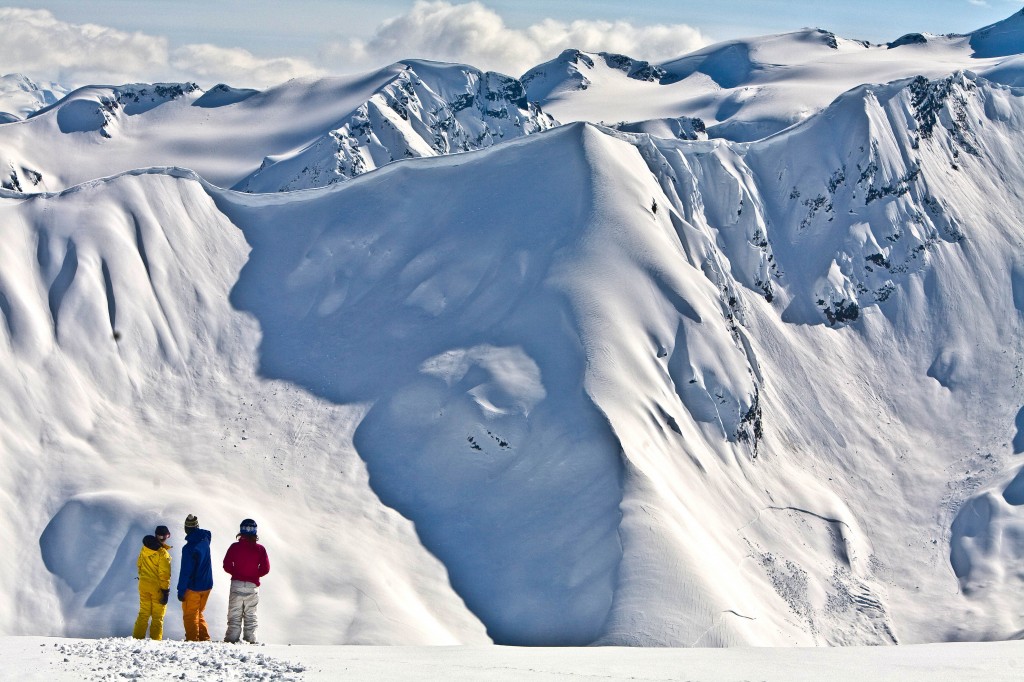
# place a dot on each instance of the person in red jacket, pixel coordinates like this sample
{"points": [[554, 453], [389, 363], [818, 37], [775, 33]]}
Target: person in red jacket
{"points": [[246, 562]]}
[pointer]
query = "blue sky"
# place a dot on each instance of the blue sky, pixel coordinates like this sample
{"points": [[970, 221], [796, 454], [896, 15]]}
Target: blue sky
{"points": [[262, 40]]}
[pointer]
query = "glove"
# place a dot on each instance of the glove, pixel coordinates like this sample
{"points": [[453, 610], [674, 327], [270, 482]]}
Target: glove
{"points": [[164, 594], [181, 597]]}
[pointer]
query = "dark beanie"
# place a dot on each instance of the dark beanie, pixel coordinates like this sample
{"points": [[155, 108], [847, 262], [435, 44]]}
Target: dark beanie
{"points": [[161, 531], [247, 527]]}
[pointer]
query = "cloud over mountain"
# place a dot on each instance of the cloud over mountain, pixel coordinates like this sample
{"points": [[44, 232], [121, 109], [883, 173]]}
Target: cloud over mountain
{"points": [[41, 45], [474, 33]]}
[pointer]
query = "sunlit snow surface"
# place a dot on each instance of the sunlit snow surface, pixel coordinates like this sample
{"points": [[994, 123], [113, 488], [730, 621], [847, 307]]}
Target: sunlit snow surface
{"points": [[48, 660], [578, 386]]}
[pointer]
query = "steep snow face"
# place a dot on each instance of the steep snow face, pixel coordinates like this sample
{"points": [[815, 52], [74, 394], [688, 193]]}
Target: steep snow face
{"points": [[889, 367], [131, 399], [449, 314], [745, 90], [20, 96], [1001, 39], [590, 385], [585, 386], [429, 109]]}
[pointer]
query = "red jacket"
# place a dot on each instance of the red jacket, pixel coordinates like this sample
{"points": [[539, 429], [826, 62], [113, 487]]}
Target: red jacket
{"points": [[247, 560]]}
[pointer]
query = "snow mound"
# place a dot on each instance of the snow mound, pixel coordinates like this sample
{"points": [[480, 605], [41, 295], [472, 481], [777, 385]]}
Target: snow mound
{"points": [[222, 95], [673, 128], [1008, 72]]}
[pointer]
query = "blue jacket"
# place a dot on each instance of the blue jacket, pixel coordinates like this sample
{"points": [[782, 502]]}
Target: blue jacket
{"points": [[196, 572]]}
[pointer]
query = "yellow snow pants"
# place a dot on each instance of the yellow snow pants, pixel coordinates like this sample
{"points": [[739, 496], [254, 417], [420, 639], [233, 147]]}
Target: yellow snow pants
{"points": [[149, 607]]}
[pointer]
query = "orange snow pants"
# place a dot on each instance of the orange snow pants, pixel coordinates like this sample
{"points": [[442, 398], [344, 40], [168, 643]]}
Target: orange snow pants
{"points": [[192, 613], [149, 607]]}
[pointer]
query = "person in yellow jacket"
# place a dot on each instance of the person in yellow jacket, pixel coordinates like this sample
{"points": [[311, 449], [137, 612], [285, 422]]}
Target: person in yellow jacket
{"points": [[154, 584]]}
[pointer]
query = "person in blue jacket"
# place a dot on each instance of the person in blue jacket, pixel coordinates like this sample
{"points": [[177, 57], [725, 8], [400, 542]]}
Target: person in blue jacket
{"points": [[195, 580]]}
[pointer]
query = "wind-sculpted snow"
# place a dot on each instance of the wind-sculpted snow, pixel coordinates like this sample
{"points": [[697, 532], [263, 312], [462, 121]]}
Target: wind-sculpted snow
{"points": [[450, 318], [131, 400], [590, 385]]}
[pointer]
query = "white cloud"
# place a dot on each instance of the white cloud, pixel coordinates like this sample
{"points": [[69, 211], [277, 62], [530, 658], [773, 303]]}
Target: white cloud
{"points": [[473, 33], [235, 66], [979, 3], [41, 46], [36, 43]]}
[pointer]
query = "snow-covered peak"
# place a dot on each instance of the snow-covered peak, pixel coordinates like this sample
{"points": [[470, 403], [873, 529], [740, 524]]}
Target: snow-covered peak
{"points": [[427, 109], [102, 109], [577, 70], [1001, 39], [737, 62], [20, 96], [747, 89]]}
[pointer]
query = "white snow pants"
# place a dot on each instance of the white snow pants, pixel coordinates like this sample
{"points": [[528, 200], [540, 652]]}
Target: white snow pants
{"points": [[242, 603]]}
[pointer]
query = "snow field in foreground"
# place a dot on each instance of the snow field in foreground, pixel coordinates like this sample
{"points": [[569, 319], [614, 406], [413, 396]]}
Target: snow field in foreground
{"points": [[39, 658]]}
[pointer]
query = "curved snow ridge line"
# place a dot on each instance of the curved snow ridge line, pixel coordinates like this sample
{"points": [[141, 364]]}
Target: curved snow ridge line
{"points": [[170, 171], [515, 418], [278, 198], [417, 164], [884, 92]]}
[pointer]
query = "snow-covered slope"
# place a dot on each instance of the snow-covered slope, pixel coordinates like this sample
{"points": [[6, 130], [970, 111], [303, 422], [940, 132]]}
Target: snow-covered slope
{"points": [[428, 109], [1001, 39], [890, 364], [615, 385], [303, 133], [20, 96], [747, 89], [626, 389], [32, 659], [131, 397]]}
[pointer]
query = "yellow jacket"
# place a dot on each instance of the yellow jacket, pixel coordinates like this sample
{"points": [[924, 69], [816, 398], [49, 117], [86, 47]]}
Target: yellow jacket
{"points": [[155, 567]]}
